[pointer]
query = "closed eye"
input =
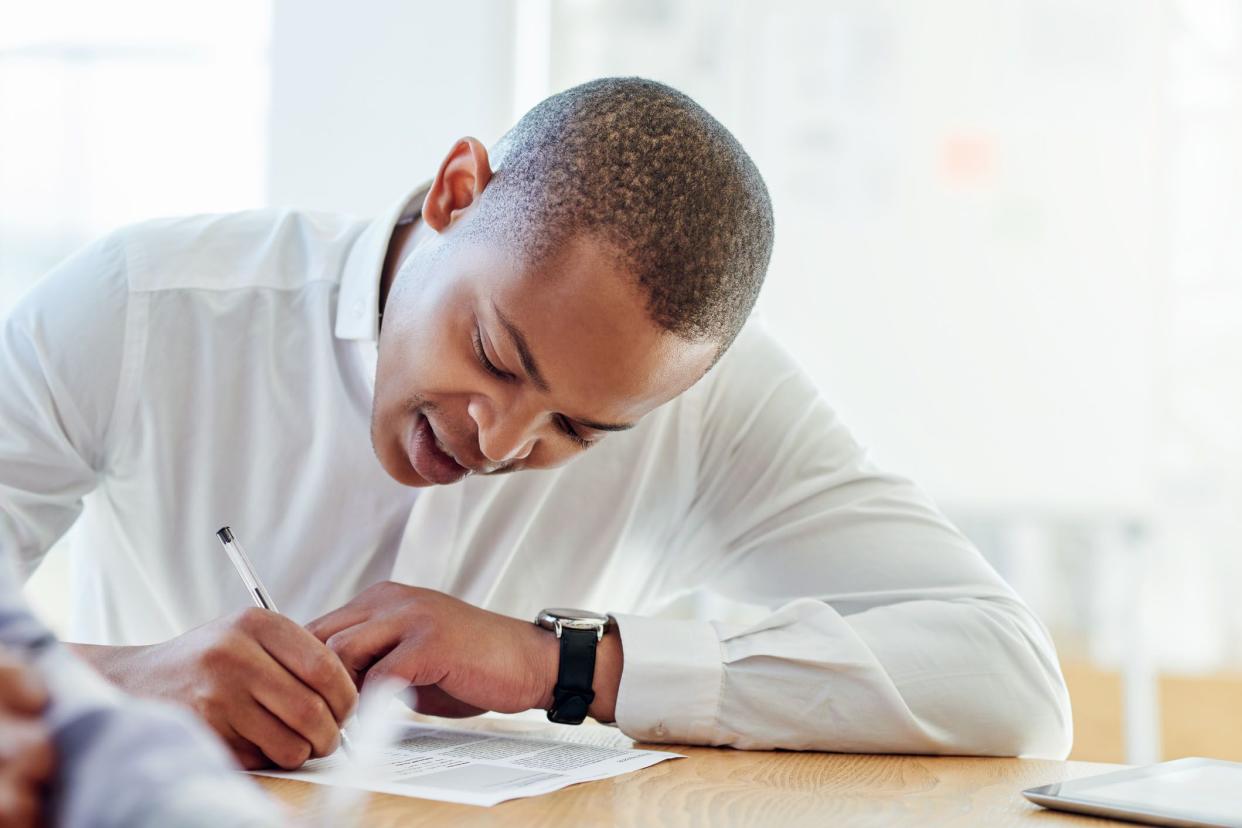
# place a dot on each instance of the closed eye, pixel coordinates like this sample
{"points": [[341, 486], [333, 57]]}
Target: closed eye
{"points": [[487, 364], [563, 424], [569, 431]]}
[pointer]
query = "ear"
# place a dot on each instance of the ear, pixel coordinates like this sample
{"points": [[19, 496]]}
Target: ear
{"points": [[461, 179]]}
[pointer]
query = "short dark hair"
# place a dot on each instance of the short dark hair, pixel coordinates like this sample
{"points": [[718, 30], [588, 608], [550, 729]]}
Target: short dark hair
{"points": [[651, 172]]}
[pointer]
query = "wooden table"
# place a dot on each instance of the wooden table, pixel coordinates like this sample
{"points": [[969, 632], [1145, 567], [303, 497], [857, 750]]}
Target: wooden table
{"points": [[724, 787]]}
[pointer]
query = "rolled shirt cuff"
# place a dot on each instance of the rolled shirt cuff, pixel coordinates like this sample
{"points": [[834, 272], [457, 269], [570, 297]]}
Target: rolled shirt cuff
{"points": [[671, 681]]}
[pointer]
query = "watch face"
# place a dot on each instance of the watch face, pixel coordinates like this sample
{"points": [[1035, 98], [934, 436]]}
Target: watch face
{"points": [[574, 614], [573, 619]]}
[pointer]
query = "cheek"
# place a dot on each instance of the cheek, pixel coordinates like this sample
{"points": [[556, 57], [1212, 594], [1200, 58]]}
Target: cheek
{"points": [[550, 453], [396, 382], [428, 366], [420, 349]]}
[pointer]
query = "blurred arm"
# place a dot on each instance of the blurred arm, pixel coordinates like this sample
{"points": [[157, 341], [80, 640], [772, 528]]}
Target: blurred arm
{"points": [[120, 761]]}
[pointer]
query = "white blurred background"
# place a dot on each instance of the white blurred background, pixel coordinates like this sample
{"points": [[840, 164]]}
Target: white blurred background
{"points": [[1005, 243]]}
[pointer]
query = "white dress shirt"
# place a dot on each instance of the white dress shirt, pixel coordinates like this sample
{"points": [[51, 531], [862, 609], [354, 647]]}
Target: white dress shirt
{"points": [[771, 586]]}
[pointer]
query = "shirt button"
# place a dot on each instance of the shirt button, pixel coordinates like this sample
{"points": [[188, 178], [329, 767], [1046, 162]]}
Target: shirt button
{"points": [[359, 307]]}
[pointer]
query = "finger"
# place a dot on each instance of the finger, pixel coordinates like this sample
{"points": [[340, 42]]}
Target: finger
{"points": [[250, 757], [301, 710], [432, 701], [21, 689], [258, 727], [309, 660], [329, 625], [361, 646], [243, 750], [25, 749], [37, 760], [19, 803]]}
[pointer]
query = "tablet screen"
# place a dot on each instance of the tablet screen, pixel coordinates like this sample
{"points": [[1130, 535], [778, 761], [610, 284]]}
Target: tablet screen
{"points": [[1211, 788], [1204, 791]]}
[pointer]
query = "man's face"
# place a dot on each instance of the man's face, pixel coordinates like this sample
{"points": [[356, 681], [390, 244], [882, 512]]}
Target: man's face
{"points": [[490, 367]]}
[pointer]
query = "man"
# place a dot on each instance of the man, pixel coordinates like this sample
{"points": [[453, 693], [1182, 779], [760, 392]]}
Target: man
{"points": [[75, 752], [768, 586]]}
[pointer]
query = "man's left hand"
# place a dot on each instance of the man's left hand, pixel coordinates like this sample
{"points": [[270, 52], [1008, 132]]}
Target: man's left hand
{"points": [[459, 660]]}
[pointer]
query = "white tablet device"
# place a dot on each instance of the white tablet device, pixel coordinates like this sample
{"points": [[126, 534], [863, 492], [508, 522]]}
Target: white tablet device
{"points": [[1192, 792]]}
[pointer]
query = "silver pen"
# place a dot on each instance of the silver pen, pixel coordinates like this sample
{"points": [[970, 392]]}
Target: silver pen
{"points": [[258, 592]]}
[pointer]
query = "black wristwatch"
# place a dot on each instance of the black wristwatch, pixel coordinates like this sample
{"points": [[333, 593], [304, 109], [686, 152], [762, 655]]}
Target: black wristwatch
{"points": [[580, 632]]}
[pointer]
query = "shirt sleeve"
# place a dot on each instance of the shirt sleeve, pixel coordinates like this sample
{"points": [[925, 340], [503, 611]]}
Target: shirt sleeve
{"points": [[882, 628], [61, 354]]}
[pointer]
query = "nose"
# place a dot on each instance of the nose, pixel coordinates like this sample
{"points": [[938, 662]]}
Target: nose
{"points": [[505, 435]]}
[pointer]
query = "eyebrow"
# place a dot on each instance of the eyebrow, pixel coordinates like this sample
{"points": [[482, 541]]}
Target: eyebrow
{"points": [[527, 358], [536, 376]]}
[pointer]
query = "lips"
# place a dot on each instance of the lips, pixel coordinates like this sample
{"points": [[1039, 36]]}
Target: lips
{"points": [[430, 457]]}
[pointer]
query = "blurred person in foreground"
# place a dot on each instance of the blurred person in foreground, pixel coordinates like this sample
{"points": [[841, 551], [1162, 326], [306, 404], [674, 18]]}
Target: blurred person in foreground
{"points": [[74, 751], [532, 383], [26, 757]]}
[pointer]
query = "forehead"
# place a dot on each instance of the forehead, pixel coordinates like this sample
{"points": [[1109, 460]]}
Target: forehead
{"points": [[585, 321]]}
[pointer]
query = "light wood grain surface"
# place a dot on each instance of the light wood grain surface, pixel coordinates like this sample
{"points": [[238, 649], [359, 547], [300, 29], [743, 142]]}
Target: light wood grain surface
{"points": [[723, 787]]}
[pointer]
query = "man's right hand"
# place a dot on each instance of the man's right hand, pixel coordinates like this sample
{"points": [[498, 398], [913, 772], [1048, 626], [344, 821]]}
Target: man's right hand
{"points": [[271, 690]]}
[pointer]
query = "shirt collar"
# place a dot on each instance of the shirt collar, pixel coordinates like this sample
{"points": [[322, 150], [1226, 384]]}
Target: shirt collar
{"points": [[357, 311]]}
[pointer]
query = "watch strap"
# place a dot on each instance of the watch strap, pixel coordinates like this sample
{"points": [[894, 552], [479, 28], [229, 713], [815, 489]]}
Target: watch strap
{"points": [[575, 679]]}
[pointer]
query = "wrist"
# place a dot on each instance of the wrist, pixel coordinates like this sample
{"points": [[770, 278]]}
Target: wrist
{"points": [[549, 659], [609, 661], [114, 663]]}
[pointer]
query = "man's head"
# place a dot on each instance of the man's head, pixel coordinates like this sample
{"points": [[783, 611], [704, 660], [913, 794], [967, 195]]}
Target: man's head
{"points": [[598, 272]]}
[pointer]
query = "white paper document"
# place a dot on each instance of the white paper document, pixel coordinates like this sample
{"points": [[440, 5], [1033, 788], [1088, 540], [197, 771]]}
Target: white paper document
{"points": [[475, 767]]}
